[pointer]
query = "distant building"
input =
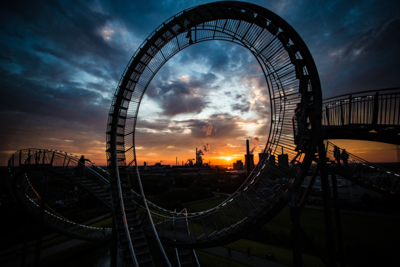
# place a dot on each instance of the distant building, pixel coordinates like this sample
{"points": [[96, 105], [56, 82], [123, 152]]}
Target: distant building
{"points": [[249, 159], [238, 165], [271, 160]]}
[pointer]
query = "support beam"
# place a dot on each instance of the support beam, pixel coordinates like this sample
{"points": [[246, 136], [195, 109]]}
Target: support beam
{"points": [[350, 101], [43, 201], [308, 190], [26, 239], [114, 243], [295, 232], [339, 235], [326, 197]]}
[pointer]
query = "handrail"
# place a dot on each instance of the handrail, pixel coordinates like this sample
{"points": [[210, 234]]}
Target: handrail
{"points": [[366, 162], [121, 202], [369, 173], [29, 190], [362, 92], [151, 220]]}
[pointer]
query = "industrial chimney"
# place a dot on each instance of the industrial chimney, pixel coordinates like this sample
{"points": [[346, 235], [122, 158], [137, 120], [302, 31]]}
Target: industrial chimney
{"points": [[249, 158]]}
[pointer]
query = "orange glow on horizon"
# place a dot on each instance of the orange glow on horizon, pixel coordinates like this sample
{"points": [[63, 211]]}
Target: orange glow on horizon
{"points": [[370, 151]]}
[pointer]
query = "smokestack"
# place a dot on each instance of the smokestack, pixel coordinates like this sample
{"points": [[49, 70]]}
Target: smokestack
{"points": [[247, 161], [196, 156]]}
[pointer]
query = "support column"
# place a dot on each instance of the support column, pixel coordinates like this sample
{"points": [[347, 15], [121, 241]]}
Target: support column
{"points": [[326, 197], [114, 244], [296, 235], [26, 238], [43, 201], [339, 235]]}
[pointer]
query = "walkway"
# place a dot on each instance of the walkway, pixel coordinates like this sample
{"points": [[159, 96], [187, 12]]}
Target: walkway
{"points": [[45, 253], [242, 257], [105, 260], [48, 251]]}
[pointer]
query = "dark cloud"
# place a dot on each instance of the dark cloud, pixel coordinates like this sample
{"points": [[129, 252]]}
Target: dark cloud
{"points": [[242, 107], [352, 42], [226, 126], [60, 62], [69, 101], [182, 96], [222, 58], [369, 61]]}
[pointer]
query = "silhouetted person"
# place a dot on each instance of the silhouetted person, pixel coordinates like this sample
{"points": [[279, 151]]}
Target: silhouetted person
{"points": [[229, 251], [345, 157], [81, 166], [336, 154], [248, 252]]}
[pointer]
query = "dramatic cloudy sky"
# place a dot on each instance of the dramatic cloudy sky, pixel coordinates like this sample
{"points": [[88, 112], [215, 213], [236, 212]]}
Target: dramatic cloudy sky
{"points": [[60, 62]]}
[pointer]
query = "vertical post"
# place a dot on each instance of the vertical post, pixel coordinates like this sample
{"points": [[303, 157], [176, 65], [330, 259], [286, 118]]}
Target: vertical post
{"points": [[339, 235], [43, 200], [327, 115], [350, 100], [64, 158], [295, 232], [247, 160], [114, 243], [20, 156], [376, 109], [326, 197], [44, 156], [341, 113], [25, 246], [52, 158]]}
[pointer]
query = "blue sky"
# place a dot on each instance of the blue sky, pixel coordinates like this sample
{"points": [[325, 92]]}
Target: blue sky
{"points": [[61, 61]]}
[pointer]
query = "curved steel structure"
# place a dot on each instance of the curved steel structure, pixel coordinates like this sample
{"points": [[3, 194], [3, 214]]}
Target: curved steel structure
{"points": [[292, 80], [299, 123], [27, 163]]}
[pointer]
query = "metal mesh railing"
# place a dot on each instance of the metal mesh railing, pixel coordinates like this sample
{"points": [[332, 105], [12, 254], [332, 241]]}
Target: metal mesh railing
{"points": [[361, 170], [374, 107], [59, 164]]}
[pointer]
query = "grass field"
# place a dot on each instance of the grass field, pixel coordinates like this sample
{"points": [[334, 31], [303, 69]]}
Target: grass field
{"points": [[86, 254], [210, 260], [281, 255], [205, 205], [367, 240], [54, 241]]}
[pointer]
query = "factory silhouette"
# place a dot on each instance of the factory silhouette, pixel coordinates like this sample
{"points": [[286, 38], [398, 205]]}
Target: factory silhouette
{"points": [[199, 163]]}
